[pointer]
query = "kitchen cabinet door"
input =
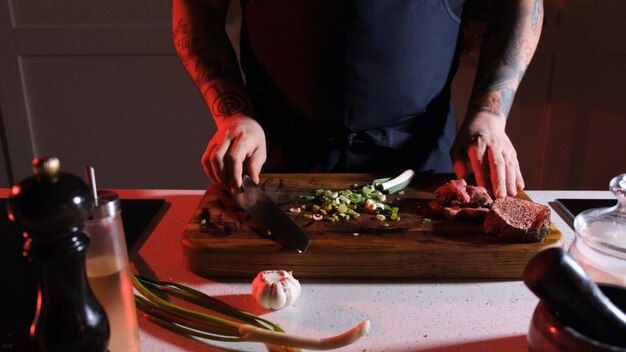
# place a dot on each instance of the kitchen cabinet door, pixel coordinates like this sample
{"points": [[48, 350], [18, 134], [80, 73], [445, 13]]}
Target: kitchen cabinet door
{"points": [[99, 82]]}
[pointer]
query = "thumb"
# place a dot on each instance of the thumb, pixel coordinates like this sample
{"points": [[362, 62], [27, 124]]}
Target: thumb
{"points": [[462, 168]]}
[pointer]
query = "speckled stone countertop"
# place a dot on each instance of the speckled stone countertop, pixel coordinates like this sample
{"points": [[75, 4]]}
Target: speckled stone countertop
{"points": [[405, 315]]}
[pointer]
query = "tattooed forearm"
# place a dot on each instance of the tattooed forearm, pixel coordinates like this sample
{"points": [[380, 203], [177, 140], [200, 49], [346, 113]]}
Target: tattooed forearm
{"points": [[227, 103], [495, 103], [205, 50], [197, 50], [187, 45], [509, 43]]}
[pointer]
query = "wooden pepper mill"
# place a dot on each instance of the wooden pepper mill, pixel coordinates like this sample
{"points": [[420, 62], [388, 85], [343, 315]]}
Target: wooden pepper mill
{"points": [[51, 207]]}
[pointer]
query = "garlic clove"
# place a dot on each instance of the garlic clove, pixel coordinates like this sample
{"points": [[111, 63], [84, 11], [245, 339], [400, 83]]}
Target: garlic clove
{"points": [[275, 289]]}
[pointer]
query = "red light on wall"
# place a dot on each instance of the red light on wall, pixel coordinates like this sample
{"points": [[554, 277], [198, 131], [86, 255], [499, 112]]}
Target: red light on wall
{"points": [[32, 326], [15, 190]]}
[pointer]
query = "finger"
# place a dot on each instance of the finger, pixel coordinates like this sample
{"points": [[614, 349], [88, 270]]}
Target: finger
{"points": [[235, 174], [519, 179], [461, 169], [206, 162], [232, 171], [255, 162], [498, 173], [460, 163], [234, 165], [217, 161], [476, 155], [511, 177]]}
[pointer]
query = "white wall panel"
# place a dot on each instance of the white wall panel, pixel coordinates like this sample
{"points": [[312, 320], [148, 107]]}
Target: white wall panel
{"points": [[137, 120]]}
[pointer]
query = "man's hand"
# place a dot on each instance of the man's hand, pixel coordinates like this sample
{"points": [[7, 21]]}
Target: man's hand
{"points": [[510, 39], [238, 147], [201, 41], [483, 146]]}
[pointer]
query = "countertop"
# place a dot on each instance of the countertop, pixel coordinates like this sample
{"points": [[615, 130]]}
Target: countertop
{"points": [[405, 315]]}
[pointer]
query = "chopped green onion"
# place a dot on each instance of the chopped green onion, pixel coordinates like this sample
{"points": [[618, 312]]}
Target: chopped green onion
{"points": [[348, 203]]}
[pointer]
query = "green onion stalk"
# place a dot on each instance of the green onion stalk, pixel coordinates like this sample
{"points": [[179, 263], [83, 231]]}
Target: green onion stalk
{"points": [[235, 326]]}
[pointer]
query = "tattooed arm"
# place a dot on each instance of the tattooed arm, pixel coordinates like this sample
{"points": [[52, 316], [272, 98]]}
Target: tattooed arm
{"points": [[199, 35], [510, 39]]}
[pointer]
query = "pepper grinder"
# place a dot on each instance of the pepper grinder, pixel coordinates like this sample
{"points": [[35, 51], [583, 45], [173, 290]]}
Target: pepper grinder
{"points": [[565, 288], [51, 208]]}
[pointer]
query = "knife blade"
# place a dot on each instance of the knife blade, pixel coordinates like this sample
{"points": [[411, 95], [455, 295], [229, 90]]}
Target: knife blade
{"points": [[261, 207]]}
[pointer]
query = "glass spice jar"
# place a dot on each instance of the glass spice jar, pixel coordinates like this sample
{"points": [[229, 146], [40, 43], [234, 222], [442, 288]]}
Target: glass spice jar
{"points": [[600, 243]]}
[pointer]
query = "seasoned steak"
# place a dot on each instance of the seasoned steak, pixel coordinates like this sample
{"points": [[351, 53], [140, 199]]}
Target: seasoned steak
{"points": [[518, 220]]}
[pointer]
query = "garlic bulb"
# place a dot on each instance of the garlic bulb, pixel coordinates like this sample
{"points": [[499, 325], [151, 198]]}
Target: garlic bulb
{"points": [[275, 289]]}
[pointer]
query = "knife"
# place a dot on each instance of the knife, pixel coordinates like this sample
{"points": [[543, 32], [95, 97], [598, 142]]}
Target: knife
{"points": [[261, 207]]}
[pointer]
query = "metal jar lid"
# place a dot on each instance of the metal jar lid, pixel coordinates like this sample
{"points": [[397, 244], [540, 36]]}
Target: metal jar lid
{"points": [[109, 205]]}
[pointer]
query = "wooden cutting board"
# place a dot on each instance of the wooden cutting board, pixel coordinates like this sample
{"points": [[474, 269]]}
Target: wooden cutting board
{"points": [[221, 240]]}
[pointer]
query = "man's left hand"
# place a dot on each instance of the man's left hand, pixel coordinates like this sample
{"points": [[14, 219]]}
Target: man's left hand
{"points": [[483, 146]]}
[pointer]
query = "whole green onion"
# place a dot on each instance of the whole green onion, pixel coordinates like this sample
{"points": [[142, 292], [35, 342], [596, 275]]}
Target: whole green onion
{"points": [[237, 326]]}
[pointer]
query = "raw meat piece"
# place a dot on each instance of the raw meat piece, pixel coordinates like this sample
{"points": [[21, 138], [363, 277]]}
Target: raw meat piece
{"points": [[457, 200], [479, 197], [460, 188], [444, 194]]}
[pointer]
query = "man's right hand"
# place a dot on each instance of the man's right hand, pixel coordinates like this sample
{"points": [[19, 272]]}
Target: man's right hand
{"points": [[236, 149], [201, 41]]}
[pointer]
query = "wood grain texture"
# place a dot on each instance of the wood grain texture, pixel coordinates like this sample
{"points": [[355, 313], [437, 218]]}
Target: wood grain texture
{"points": [[231, 244]]}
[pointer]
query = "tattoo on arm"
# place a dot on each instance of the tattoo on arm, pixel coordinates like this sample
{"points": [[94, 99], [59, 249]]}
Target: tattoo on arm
{"points": [[206, 63], [506, 100], [496, 103], [537, 17], [227, 103], [507, 50]]}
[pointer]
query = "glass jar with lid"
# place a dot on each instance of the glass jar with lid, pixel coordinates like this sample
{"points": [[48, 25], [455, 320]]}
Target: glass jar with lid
{"points": [[600, 243]]}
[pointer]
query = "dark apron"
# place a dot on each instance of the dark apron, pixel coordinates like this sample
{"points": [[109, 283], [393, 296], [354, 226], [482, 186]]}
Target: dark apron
{"points": [[352, 86]]}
